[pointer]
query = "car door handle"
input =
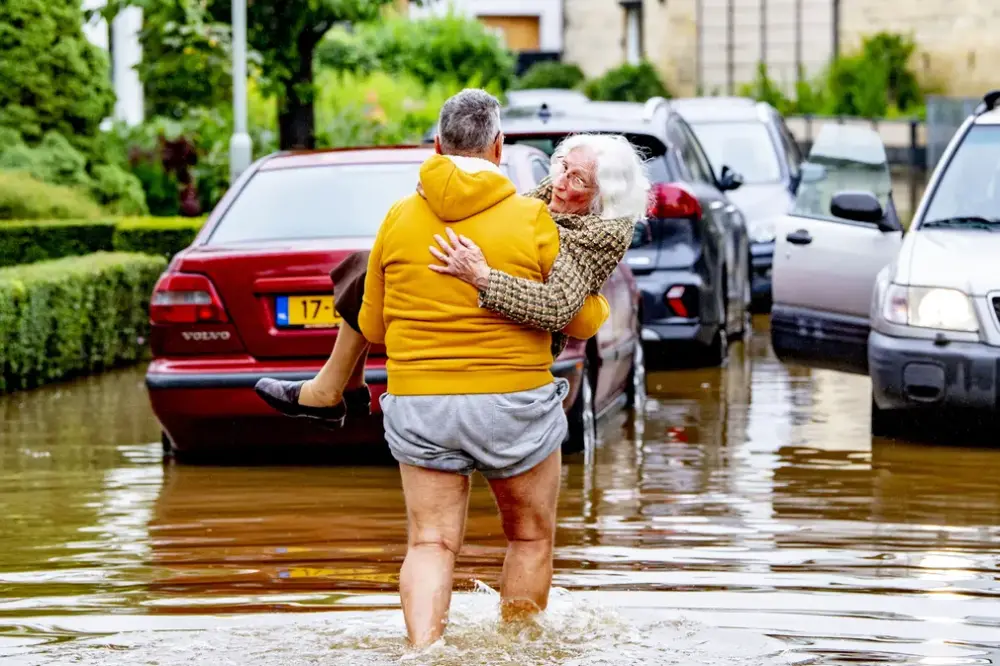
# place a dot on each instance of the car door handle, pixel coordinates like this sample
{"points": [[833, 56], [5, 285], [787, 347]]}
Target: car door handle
{"points": [[800, 237]]}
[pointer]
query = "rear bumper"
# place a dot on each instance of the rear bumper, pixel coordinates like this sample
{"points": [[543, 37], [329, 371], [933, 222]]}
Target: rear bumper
{"points": [[208, 406], [908, 373]]}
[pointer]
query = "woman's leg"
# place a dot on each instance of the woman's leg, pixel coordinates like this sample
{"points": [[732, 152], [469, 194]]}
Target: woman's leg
{"points": [[345, 369], [436, 508]]}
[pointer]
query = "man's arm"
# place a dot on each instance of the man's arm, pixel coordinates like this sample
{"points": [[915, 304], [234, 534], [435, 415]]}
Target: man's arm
{"points": [[371, 317]]}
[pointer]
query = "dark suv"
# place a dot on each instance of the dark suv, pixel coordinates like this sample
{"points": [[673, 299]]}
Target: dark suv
{"points": [[691, 257]]}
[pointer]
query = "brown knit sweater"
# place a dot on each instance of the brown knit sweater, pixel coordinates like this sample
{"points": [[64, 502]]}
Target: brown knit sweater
{"points": [[589, 250]]}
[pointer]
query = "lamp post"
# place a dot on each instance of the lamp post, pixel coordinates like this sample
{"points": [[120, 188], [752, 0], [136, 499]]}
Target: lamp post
{"points": [[240, 145]]}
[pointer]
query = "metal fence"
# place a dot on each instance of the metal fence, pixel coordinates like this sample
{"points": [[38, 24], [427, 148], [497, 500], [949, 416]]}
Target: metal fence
{"points": [[789, 36]]}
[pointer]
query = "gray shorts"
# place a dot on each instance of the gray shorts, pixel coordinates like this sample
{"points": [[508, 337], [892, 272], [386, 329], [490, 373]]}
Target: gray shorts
{"points": [[500, 434]]}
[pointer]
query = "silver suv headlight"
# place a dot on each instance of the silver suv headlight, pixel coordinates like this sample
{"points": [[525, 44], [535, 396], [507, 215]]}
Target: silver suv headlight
{"points": [[930, 307]]}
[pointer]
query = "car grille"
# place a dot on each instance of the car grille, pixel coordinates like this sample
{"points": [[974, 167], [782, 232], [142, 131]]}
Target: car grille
{"points": [[996, 307]]}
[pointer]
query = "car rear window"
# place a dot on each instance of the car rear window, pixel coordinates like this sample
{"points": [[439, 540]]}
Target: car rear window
{"points": [[745, 147], [649, 147], [329, 201]]}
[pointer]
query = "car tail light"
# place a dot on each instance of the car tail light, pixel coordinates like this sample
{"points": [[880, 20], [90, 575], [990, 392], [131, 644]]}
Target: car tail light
{"points": [[682, 301], [670, 200], [182, 298]]}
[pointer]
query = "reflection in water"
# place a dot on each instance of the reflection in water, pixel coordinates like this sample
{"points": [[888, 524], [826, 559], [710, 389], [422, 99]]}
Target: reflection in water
{"points": [[749, 518]]}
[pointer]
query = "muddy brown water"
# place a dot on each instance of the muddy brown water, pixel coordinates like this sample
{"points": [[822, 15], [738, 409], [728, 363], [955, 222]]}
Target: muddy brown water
{"points": [[747, 518]]}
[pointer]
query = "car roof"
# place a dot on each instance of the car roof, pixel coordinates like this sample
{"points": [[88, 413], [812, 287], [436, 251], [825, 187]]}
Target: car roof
{"points": [[989, 118], [369, 155], [718, 109], [536, 96]]}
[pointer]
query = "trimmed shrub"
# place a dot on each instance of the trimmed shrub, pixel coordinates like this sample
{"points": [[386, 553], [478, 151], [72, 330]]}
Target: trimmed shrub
{"points": [[163, 237], [550, 74], [628, 83], [25, 198], [29, 242], [73, 316]]}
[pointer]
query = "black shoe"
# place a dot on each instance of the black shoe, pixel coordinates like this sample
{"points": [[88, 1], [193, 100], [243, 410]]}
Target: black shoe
{"points": [[358, 401], [284, 397]]}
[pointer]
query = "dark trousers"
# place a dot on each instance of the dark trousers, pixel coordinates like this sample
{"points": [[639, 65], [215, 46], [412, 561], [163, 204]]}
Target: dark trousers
{"points": [[349, 287]]}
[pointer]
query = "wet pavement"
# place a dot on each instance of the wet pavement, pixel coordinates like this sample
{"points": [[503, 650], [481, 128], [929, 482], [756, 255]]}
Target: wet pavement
{"points": [[748, 518]]}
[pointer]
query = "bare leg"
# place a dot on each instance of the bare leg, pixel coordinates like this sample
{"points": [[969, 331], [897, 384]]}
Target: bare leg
{"points": [[327, 387], [527, 506], [436, 507]]}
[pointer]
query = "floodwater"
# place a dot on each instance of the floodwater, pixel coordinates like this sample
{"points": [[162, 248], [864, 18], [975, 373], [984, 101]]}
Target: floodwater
{"points": [[748, 518]]}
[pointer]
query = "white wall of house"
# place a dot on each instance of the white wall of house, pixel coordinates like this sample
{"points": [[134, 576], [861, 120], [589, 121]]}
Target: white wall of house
{"points": [[549, 13], [126, 54]]}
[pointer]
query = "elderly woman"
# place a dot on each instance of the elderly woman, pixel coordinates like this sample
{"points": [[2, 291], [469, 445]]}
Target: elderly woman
{"points": [[597, 190]]}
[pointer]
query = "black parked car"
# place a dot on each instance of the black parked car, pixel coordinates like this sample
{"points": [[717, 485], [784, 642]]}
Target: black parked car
{"points": [[752, 138], [691, 257]]}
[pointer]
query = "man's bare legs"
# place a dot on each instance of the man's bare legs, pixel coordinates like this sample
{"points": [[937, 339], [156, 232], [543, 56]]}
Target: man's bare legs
{"points": [[527, 506], [436, 508], [345, 369]]}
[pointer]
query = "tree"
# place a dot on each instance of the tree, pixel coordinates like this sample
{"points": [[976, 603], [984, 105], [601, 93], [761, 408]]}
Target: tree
{"points": [[187, 58], [54, 79], [627, 83], [285, 34]]}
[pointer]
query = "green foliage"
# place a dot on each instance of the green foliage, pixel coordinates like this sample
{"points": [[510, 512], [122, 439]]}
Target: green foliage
{"points": [[73, 316], [285, 35], [187, 57], [550, 74], [874, 82], [342, 51], [53, 78], [118, 191], [163, 237], [30, 241], [380, 109], [54, 161], [25, 198], [460, 49], [627, 83], [23, 242], [57, 162]]}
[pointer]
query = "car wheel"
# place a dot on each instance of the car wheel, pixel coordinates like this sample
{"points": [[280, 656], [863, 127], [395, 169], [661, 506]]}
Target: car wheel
{"points": [[886, 422], [582, 421], [636, 390]]}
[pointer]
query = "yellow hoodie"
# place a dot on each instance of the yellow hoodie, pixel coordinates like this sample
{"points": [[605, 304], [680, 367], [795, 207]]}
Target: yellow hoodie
{"points": [[437, 338]]}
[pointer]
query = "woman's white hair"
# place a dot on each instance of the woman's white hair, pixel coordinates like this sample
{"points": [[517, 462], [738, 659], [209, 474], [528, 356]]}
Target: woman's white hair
{"points": [[622, 183]]}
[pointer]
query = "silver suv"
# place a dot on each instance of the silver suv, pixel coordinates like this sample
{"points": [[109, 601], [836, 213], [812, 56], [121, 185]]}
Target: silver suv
{"points": [[920, 311]]}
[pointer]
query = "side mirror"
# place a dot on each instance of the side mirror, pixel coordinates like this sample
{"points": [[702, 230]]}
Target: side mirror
{"points": [[861, 207], [729, 180], [641, 235]]}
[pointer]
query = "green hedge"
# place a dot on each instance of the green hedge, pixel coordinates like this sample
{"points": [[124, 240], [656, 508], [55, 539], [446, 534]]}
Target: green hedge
{"points": [[28, 242], [25, 242], [164, 236], [25, 198], [73, 316]]}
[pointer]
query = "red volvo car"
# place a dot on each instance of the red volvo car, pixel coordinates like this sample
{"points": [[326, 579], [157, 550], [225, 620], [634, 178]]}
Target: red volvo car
{"points": [[251, 297]]}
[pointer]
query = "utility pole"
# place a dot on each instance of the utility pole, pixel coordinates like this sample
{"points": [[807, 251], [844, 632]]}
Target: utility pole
{"points": [[240, 145]]}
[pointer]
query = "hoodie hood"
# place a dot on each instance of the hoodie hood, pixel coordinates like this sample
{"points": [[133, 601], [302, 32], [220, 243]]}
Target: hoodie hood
{"points": [[458, 187]]}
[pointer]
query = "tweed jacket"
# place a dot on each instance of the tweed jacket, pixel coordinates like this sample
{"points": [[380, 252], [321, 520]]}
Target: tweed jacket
{"points": [[589, 250]]}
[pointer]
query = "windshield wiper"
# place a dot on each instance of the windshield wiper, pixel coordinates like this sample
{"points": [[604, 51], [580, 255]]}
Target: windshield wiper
{"points": [[966, 222]]}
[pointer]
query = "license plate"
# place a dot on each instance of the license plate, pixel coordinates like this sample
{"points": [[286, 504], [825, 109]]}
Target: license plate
{"points": [[308, 311]]}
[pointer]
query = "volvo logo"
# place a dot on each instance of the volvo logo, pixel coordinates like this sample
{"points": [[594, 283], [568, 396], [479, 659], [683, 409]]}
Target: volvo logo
{"points": [[205, 336]]}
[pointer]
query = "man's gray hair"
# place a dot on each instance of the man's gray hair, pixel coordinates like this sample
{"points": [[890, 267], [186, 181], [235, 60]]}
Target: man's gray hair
{"points": [[622, 183], [469, 122]]}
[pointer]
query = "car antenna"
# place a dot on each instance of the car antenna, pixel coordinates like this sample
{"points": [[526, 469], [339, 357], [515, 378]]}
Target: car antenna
{"points": [[543, 112], [989, 102]]}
